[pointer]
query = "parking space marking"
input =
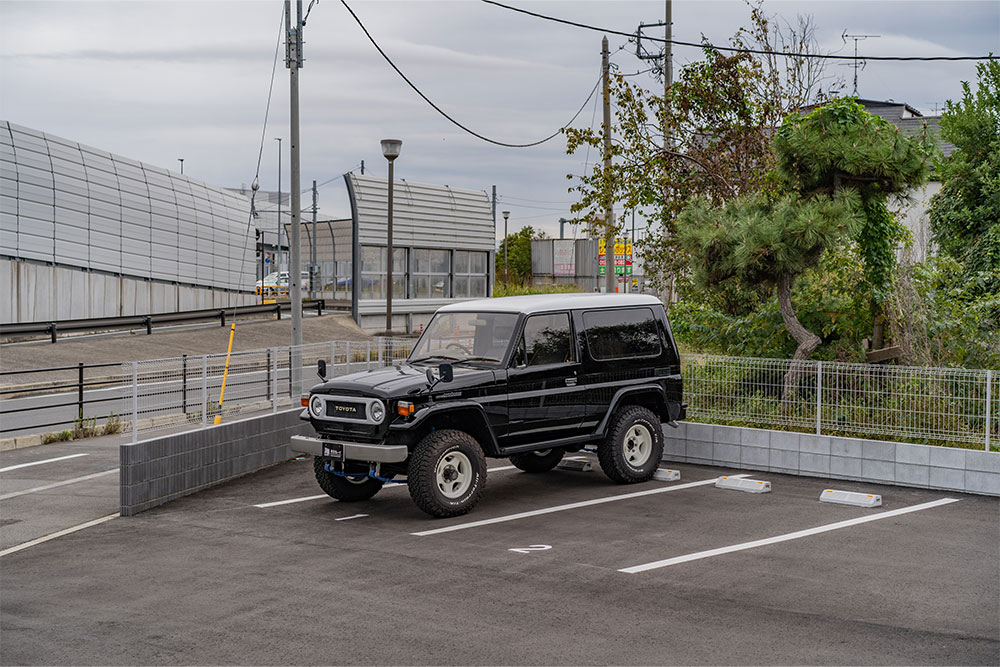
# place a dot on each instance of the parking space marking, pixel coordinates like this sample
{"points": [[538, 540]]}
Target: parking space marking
{"points": [[784, 538], [292, 500], [52, 486], [53, 536], [348, 518], [570, 506], [323, 495], [38, 463]]}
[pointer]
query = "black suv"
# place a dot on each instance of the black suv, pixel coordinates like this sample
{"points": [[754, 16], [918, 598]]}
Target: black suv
{"points": [[529, 378]]}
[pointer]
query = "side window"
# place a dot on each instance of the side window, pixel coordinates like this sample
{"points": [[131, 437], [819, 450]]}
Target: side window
{"points": [[546, 340], [622, 334]]}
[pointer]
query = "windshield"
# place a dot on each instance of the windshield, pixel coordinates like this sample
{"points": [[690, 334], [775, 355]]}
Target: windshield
{"points": [[473, 337]]}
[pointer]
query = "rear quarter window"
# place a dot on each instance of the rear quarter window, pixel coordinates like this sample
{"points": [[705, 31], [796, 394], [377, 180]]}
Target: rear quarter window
{"points": [[622, 334]]}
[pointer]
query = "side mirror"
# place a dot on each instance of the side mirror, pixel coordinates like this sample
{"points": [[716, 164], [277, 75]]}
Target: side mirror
{"points": [[446, 372], [321, 369]]}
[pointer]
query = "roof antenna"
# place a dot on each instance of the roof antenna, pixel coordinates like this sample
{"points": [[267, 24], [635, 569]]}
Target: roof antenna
{"points": [[856, 38]]}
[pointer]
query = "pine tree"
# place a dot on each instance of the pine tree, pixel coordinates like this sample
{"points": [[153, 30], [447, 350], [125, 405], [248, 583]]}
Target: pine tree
{"points": [[836, 166], [842, 147]]}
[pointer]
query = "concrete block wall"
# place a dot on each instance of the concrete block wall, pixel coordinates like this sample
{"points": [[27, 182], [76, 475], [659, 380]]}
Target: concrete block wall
{"points": [[156, 471], [897, 463]]}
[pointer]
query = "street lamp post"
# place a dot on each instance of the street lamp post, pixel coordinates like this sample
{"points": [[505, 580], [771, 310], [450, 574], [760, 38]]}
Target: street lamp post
{"points": [[277, 252], [390, 149], [506, 244]]}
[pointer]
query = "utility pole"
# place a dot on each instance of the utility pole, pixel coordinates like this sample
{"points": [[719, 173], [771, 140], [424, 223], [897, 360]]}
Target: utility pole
{"points": [[493, 206], [277, 252], [609, 213], [293, 61], [362, 167], [313, 271], [628, 280], [668, 79]]}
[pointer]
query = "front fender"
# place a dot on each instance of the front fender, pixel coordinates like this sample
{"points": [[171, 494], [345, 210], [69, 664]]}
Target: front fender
{"points": [[467, 416]]}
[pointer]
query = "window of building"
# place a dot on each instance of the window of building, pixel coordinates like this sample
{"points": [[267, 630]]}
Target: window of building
{"points": [[373, 266], [431, 274], [622, 334], [470, 273], [546, 340]]}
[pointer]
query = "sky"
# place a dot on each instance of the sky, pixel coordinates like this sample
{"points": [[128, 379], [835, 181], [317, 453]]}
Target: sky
{"points": [[160, 80]]}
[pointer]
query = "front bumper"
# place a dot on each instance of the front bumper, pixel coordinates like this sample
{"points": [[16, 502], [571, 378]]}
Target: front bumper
{"points": [[353, 451]]}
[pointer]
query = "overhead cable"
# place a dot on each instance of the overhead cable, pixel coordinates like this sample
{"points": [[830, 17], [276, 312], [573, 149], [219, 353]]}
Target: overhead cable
{"points": [[443, 113], [734, 49]]}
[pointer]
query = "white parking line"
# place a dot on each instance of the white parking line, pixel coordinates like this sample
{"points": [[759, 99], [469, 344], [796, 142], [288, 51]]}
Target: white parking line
{"points": [[784, 538], [570, 506], [52, 486], [307, 498], [53, 536], [348, 518], [38, 463], [292, 500]]}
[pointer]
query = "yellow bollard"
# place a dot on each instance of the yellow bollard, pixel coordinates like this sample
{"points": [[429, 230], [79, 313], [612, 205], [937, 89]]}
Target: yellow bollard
{"points": [[225, 373]]}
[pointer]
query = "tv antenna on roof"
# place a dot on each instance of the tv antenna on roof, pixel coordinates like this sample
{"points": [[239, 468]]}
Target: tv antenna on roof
{"points": [[856, 38]]}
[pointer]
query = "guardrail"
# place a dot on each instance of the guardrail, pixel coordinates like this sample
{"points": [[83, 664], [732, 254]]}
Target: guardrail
{"points": [[54, 328], [70, 391]]}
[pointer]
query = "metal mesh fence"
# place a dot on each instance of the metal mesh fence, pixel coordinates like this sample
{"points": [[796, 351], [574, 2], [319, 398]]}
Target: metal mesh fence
{"points": [[185, 391], [929, 405]]}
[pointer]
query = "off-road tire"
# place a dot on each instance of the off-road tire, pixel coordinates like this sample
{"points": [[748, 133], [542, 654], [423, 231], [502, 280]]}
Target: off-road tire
{"points": [[541, 461], [446, 462], [633, 446], [344, 489]]}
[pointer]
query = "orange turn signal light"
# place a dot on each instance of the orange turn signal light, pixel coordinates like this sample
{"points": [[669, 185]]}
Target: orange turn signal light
{"points": [[305, 401], [405, 408]]}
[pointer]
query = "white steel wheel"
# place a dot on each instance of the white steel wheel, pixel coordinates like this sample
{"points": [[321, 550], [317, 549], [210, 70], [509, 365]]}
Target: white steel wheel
{"points": [[638, 445], [453, 474]]}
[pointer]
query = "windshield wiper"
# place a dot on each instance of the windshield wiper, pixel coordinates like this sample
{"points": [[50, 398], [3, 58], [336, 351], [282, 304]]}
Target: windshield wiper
{"points": [[490, 359], [433, 356]]}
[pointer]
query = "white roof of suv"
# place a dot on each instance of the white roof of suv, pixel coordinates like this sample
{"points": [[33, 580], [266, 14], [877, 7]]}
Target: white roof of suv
{"points": [[538, 303]]}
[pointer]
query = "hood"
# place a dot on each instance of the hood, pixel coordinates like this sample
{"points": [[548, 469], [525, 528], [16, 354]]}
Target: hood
{"points": [[399, 381]]}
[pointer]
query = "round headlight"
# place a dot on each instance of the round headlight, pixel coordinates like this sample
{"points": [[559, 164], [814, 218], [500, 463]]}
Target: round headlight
{"points": [[316, 406], [377, 412]]}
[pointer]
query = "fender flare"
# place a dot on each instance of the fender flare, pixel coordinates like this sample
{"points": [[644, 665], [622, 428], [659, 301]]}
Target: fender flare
{"points": [[616, 400], [484, 430]]}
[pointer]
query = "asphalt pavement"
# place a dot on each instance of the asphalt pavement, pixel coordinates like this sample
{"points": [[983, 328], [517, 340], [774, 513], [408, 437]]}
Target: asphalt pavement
{"points": [[164, 343], [267, 570]]}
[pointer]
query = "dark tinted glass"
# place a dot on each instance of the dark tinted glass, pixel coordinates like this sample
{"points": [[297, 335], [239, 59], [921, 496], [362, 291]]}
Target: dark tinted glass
{"points": [[621, 334], [546, 340]]}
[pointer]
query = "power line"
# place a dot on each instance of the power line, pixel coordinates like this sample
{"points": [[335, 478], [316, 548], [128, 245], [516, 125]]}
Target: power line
{"points": [[260, 153], [534, 201], [443, 113], [540, 208], [734, 49]]}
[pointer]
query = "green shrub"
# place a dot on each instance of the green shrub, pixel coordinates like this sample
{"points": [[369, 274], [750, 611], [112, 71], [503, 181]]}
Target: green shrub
{"points": [[61, 436]]}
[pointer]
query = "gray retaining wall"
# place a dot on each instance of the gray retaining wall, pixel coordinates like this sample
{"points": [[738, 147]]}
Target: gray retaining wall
{"points": [[898, 463], [156, 471]]}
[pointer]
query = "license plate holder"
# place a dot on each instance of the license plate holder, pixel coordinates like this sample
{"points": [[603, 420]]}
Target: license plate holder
{"points": [[333, 450]]}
